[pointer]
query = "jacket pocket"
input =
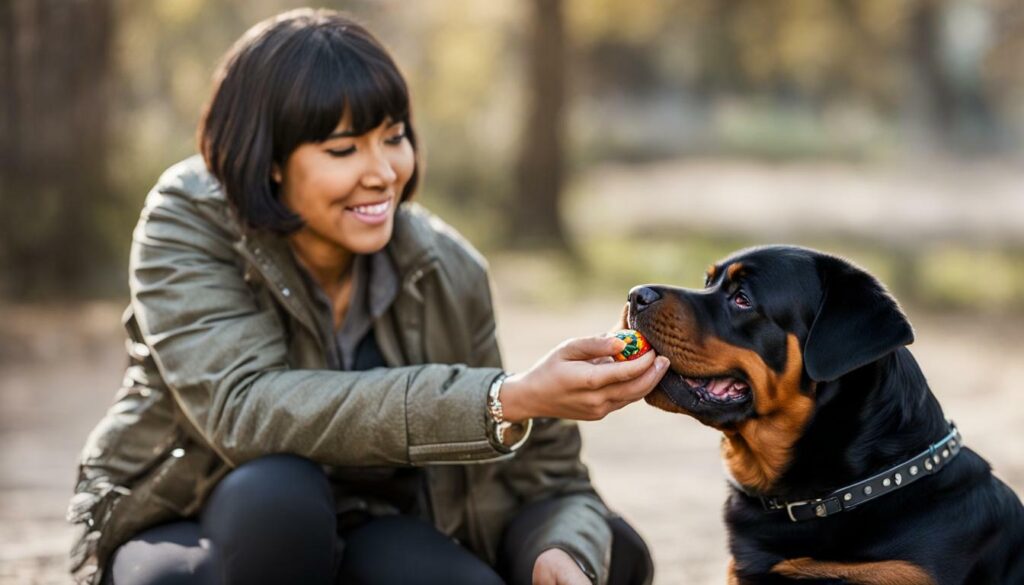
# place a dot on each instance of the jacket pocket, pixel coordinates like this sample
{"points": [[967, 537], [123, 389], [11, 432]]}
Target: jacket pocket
{"points": [[180, 483]]}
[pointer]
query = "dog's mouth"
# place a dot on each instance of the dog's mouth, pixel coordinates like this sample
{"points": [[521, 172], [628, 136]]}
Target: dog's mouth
{"points": [[700, 392], [722, 390]]}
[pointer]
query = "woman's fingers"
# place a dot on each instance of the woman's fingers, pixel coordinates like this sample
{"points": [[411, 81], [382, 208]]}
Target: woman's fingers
{"points": [[638, 387], [602, 401], [587, 348], [600, 375], [579, 380]]}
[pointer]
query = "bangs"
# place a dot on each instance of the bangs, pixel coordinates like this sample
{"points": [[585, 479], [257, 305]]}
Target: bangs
{"points": [[289, 81], [346, 73]]}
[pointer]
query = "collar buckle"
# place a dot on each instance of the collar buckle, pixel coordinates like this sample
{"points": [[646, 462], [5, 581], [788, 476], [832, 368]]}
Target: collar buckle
{"points": [[820, 508], [791, 505]]}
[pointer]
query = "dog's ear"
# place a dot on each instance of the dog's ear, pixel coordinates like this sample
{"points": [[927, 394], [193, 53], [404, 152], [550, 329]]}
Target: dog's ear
{"points": [[858, 322]]}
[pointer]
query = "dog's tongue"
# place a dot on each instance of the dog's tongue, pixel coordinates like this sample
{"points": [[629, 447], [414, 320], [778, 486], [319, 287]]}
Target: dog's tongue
{"points": [[725, 387]]}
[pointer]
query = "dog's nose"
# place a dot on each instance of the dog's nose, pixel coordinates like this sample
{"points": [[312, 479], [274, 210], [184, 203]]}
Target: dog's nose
{"points": [[642, 297]]}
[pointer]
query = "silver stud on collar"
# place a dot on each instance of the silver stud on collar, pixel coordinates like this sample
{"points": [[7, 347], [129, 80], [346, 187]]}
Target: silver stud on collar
{"points": [[928, 464], [913, 470], [867, 490], [847, 497], [886, 482], [945, 453], [899, 479]]}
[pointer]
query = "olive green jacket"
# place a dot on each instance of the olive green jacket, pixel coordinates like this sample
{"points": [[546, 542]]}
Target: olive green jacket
{"points": [[226, 364]]}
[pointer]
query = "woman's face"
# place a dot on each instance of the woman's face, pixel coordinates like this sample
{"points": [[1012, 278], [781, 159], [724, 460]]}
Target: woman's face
{"points": [[347, 187]]}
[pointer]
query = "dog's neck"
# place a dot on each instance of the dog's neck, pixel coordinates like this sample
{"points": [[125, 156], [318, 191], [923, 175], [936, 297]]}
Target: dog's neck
{"points": [[864, 423]]}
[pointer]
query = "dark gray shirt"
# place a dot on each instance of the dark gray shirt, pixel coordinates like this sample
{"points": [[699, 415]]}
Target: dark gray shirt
{"points": [[361, 491], [375, 285]]}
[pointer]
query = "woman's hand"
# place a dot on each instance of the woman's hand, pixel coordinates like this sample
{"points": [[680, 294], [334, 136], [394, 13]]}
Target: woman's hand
{"points": [[555, 567], [579, 380]]}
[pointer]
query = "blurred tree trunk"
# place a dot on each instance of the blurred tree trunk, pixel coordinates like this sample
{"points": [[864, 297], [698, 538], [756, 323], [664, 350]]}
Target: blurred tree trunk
{"points": [[937, 98], [55, 64], [949, 40], [536, 220]]}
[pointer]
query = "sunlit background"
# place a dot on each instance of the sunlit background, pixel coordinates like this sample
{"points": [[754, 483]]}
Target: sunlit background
{"points": [[585, 146]]}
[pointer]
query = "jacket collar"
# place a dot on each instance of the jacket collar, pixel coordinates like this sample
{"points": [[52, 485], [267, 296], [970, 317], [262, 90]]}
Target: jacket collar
{"points": [[412, 248]]}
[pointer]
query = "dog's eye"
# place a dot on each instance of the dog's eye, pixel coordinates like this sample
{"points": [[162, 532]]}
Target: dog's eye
{"points": [[741, 300]]}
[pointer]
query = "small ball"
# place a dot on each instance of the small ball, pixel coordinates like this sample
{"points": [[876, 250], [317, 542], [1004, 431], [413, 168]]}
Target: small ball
{"points": [[636, 345]]}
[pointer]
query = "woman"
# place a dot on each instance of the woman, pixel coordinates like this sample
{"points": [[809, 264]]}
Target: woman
{"points": [[314, 392]]}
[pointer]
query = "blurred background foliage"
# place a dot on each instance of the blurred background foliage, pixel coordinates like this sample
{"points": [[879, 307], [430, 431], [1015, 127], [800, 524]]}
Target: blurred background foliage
{"points": [[634, 141]]}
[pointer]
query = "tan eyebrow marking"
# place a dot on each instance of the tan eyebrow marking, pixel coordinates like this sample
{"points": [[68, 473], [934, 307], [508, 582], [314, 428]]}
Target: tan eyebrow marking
{"points": [[734, 269], [711, 273]]}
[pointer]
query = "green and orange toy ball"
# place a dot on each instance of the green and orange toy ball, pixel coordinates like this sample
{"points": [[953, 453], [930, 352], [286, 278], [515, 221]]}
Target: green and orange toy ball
{"points": [[636, 345]]}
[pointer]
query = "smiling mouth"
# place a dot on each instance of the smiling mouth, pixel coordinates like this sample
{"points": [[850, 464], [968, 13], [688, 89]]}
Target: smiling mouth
{"points": [[371, 214], [719, 390], [371, 210]]}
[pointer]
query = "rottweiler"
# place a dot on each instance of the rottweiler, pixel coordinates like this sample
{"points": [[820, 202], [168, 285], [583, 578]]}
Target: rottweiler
{"points": [[842, 465]]}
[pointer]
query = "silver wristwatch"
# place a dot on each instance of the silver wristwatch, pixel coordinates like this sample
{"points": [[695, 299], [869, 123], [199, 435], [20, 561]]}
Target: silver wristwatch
{"points": [[507, 435]]}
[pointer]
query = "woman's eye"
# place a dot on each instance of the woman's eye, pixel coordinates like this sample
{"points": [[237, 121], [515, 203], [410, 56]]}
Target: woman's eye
{"points": [[741, 300], [341, 152], [396, 139]]}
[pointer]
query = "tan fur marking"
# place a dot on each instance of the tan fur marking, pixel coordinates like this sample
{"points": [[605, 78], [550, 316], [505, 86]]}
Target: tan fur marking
{"points": [[877, 573], [731, 577], [733, 269], [757, 450], [711, 273]]}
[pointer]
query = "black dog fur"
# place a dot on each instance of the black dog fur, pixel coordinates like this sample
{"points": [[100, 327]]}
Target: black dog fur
{"points": [[858, 405]]}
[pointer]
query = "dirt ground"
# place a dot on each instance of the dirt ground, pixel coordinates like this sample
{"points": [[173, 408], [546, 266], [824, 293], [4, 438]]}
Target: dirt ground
{"points": [[59, 369]]}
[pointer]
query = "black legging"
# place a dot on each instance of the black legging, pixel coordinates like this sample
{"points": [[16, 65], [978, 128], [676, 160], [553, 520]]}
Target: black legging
{"points": [[272, 521]]}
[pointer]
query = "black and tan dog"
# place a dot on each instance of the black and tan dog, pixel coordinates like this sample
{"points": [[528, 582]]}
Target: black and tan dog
{"points": [[842, 465]]}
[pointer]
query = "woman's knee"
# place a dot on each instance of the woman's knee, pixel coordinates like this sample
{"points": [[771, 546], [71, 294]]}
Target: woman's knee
{"points": [[272, 520], [271, 493], [271, 487]]}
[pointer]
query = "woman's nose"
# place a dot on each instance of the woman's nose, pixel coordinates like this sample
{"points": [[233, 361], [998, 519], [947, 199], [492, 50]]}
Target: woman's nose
{"points": [[379, 172]]}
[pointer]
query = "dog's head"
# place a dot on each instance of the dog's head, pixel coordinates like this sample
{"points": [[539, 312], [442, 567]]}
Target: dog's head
{"points": [[749, 350]]}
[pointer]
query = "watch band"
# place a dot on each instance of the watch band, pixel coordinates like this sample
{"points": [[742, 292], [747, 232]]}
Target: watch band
{"points": [[503, 430], [494, 407]]}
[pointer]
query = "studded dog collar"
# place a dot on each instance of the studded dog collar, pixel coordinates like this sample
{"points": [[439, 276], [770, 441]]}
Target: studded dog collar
{"points": [[928, 462]]}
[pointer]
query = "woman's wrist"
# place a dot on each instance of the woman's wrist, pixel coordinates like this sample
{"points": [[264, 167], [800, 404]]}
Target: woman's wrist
{"points": [[515, 407]]}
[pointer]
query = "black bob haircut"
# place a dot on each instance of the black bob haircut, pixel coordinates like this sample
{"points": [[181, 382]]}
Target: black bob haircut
{"points": [[288, 81]]}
